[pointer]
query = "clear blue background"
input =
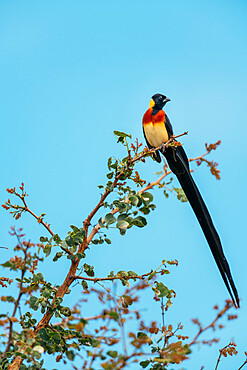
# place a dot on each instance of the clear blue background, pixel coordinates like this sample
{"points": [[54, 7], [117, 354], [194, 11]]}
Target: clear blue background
{"points": [[74, 71]]}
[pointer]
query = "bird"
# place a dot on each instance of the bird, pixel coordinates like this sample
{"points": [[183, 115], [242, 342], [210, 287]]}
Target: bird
{"points": [[157, 130]]}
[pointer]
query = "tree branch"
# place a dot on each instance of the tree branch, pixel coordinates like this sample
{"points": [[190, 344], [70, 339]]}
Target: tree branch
{"points": [[71, 276], [40, 221], [219, 315], [38, 218], [112, 278]]}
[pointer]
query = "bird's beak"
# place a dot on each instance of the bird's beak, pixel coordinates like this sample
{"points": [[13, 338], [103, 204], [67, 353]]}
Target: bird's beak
{"points": [[166, 100]]}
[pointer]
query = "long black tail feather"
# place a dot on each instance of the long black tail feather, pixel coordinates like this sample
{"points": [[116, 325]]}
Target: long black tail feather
{"points": [[178, 163]]}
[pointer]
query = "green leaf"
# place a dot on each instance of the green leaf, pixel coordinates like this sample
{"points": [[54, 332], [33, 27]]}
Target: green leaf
{"points": [[144, 363], [47, 249], [19, 280], [123, 274], [95, 343], [38, 277], [74, 228], [147, 197], [122, 217], [180, 194], [122, 226], [169, 303], [132, 273], [9, 298], [65, 311], [70, 355], [141, 335], [56, 238], [123, 207], [88, 269], [166, 194], [108, 241], [43, 239], [114, 165], [7, 264], [46, 293], [34, 303], [144, 337], [57, 256], [70, 257], [109, 162], [112, 354], [55, 336], [145, 210], [100, 222], [152, 275], [114, 315], [110, 175], [167, 272], [121, 134], [42, 334], [110, 219], [139, 221], [164, 291], [84, 284], [135, 200]]}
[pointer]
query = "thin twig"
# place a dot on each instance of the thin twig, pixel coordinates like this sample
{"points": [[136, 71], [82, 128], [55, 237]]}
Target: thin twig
{"points": [[163, 318], [40, 221], [212, 324], [146, 152], [228, 349], [111, 278], [218, 361]]}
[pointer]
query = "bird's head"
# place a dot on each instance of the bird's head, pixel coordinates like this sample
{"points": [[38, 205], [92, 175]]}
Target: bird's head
{"points": [[158, 101]]}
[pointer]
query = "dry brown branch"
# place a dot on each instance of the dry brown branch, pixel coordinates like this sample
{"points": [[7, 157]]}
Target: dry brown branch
{"points": [[228, 305], [39, 219]]}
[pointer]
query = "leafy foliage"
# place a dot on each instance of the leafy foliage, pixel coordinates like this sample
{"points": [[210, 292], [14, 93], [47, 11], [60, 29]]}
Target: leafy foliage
{"points": [[64, 331]]}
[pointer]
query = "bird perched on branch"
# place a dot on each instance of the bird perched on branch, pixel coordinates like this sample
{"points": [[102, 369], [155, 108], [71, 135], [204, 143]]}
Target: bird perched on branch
{"points": [[158, 131]]}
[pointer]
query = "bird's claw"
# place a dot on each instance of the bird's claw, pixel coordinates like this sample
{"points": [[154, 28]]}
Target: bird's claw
{"points": [[163, 147]]}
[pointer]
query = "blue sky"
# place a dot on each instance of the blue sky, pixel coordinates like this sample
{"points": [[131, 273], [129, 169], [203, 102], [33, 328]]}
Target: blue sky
{"points": [[74, 71]]}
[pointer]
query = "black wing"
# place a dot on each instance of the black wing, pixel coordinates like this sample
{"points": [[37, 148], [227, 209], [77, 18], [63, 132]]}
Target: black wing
{"points": [[168, 126], [178, 163]]}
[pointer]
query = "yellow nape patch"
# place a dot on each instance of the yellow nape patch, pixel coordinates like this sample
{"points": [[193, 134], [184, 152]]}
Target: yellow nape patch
{"points": [[152, 103], [156, 134]]}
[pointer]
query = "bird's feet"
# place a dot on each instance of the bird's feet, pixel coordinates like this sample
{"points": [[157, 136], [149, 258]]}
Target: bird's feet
{"points": [[163, 147]]}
